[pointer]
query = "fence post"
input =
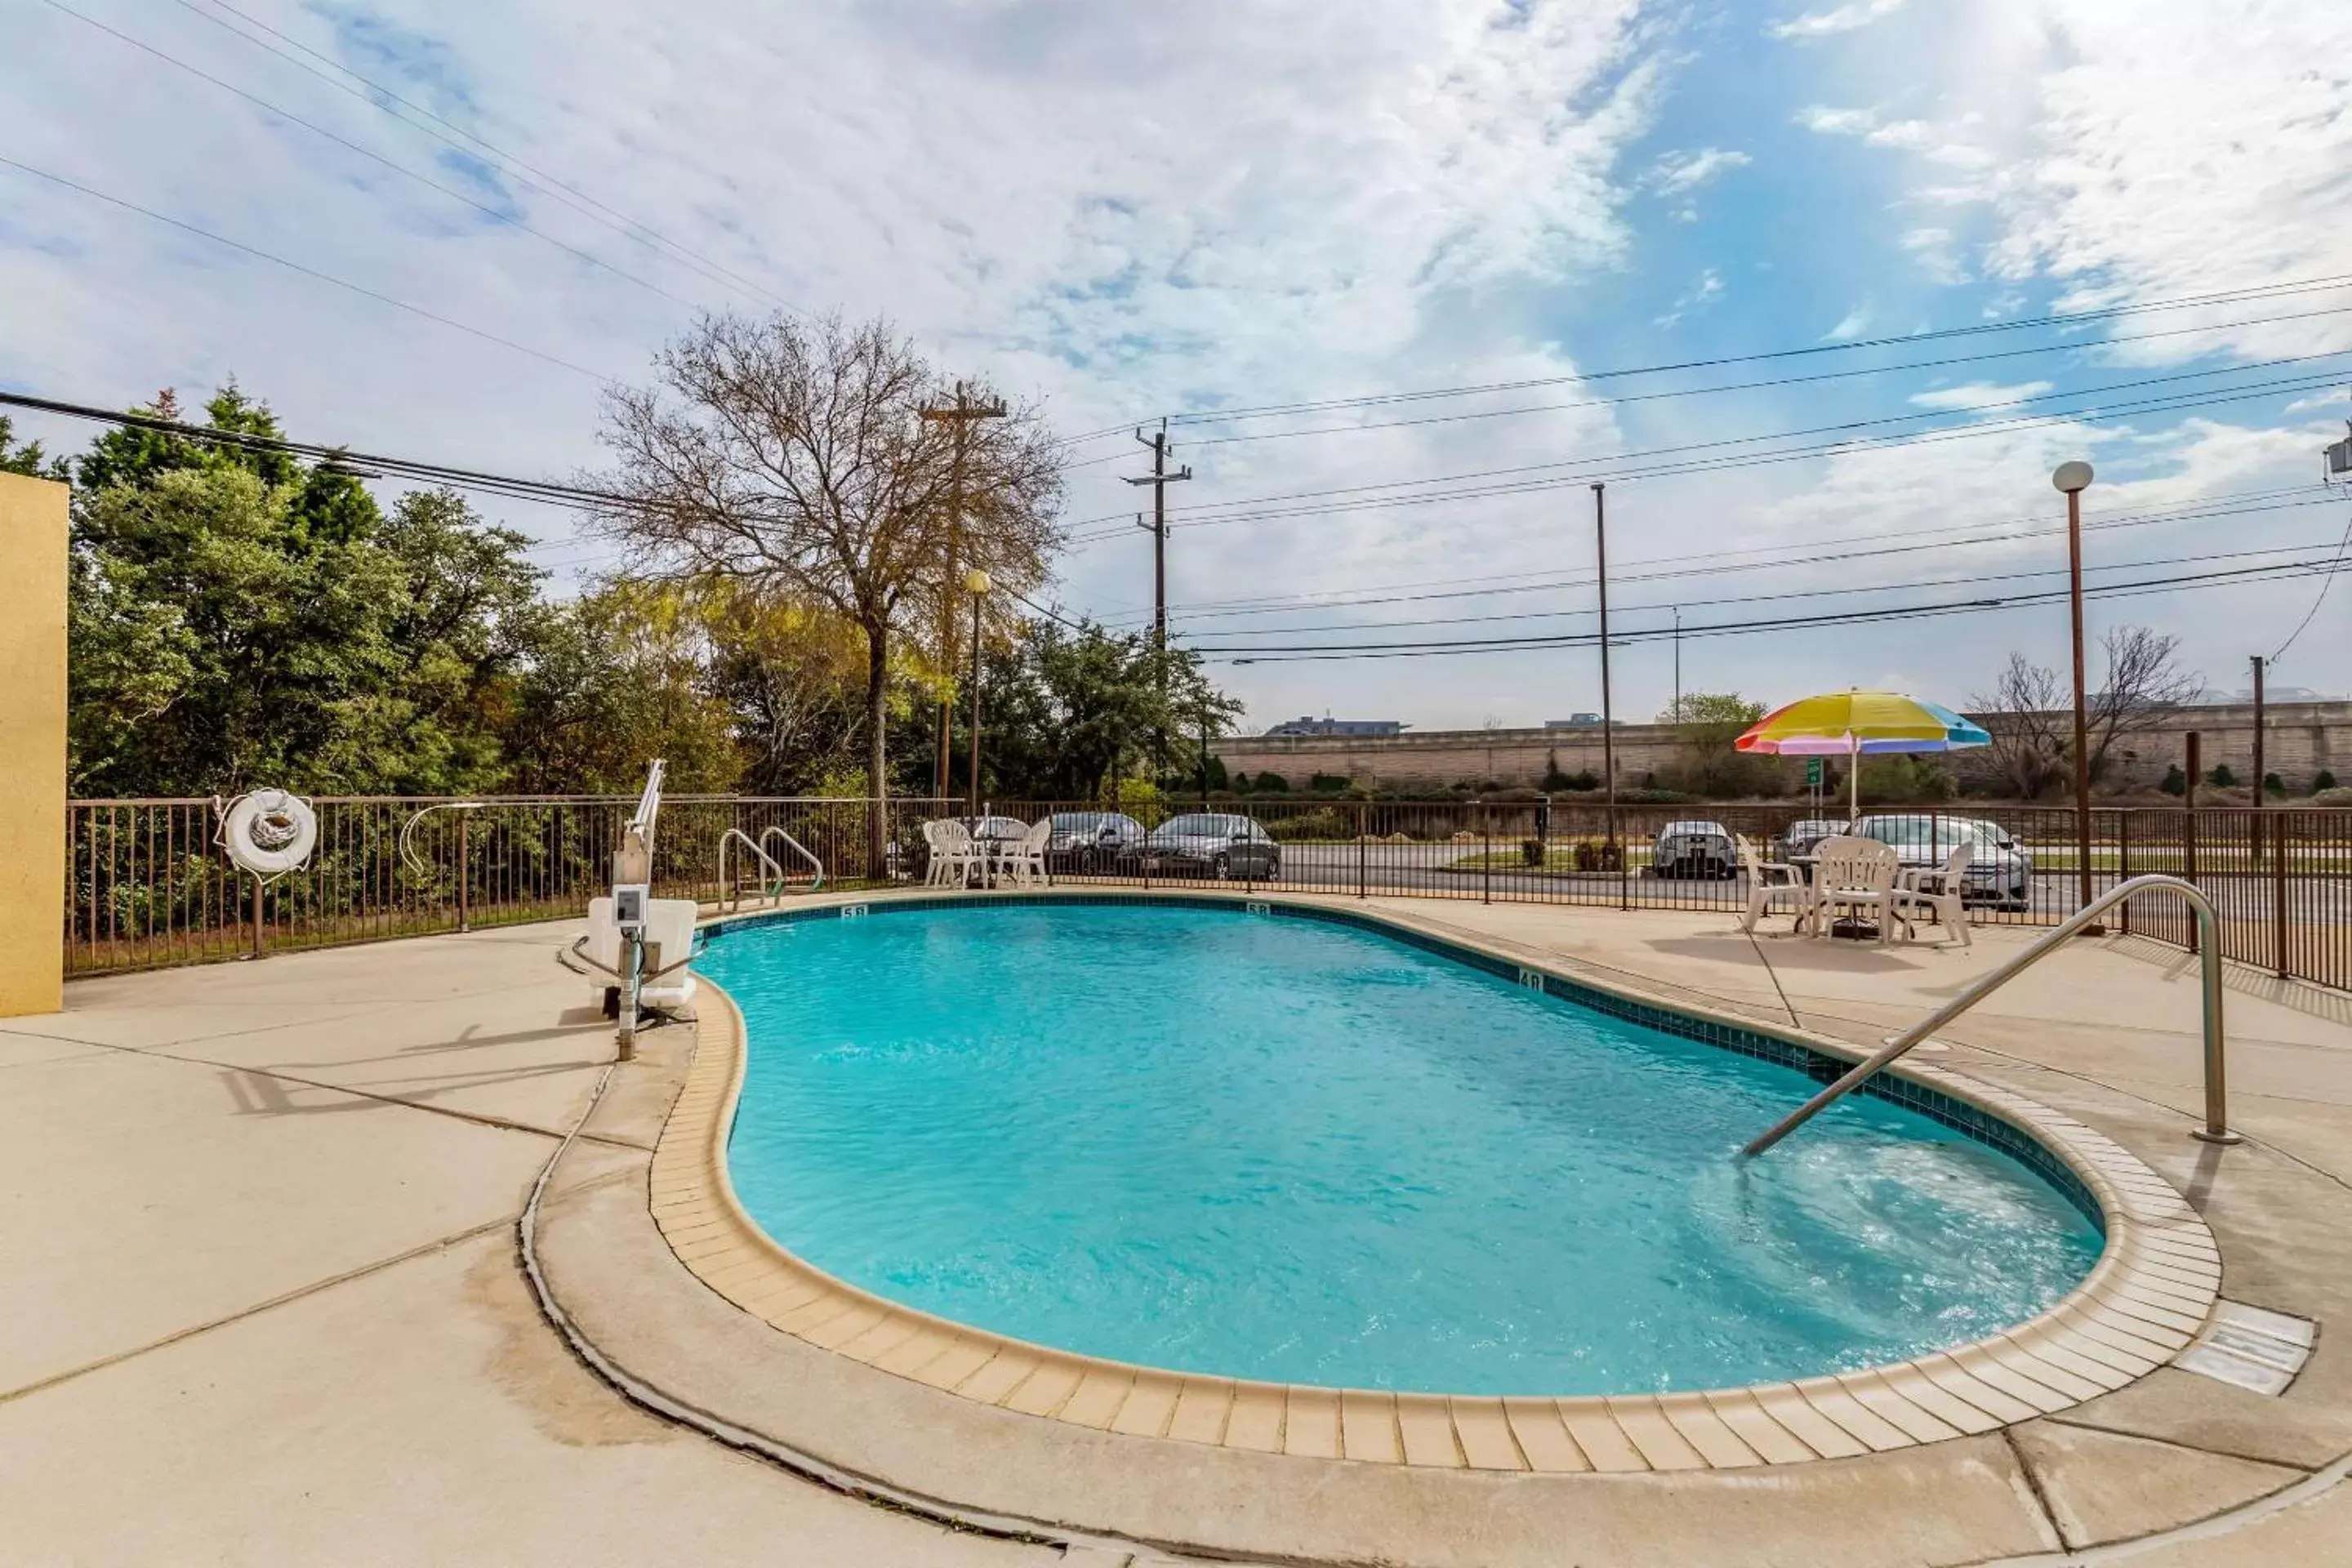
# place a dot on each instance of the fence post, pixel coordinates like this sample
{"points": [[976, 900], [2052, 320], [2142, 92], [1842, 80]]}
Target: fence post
{"points": [[1486, 857], [2123, 862], [257, 917], [2278, 889], [1364, 852], [464, 862]]}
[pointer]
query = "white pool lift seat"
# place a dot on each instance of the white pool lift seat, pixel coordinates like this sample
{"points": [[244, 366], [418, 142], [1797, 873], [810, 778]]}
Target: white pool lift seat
{"points": [[669, 938]]}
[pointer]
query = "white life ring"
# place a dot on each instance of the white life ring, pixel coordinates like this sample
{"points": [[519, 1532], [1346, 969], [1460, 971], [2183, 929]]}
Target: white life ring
{"points": [[269, 832]]}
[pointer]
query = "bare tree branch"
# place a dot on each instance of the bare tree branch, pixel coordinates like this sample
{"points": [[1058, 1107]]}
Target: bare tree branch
{"points": [[792, 456]]}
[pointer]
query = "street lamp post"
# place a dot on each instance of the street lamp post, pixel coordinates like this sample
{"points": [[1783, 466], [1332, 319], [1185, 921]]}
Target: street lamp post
{"points": [[2072, 479], [976, 583]]}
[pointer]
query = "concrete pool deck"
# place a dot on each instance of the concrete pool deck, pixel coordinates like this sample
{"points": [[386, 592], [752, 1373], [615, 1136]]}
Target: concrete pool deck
{"points": [[260, 1223]]}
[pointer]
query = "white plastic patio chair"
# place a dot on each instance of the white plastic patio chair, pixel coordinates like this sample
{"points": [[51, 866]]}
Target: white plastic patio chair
{"points": [[1772, 884], [1855, 877], [952, 853], [1940, 890], [1024, 860]]}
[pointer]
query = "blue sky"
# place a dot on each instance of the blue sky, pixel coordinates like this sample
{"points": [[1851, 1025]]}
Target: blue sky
{"points": [[1127, 214]]}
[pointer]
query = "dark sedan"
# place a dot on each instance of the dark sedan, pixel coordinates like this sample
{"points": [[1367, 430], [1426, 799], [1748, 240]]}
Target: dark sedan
{"points": [[1211, 845], [1087, 842]]}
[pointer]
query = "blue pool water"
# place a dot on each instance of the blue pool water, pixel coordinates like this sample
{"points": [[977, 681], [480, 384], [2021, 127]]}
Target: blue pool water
{"points": [[1283, 1149]]}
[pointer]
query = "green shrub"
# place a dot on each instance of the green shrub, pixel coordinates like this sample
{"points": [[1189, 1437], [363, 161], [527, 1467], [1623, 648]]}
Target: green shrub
{"points": [[1321, 825], [1599, 855], [2222, 777], [2274, 785], [1329, 784], [2175, 781], [1271, 784], [1531, 851], [2321, 781]]}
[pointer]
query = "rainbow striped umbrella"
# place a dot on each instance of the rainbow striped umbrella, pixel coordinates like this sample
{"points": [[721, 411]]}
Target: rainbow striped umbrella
{"points": [[1857, 724]]}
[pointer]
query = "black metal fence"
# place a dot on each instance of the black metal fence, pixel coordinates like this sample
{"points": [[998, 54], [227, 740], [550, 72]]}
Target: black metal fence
{"points": [[148, 886]]}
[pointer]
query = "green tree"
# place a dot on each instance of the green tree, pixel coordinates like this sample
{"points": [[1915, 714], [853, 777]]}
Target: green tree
{"points": [[26, 460], [236, 617], [614, 680], [1710, 766], [1067, 712]]}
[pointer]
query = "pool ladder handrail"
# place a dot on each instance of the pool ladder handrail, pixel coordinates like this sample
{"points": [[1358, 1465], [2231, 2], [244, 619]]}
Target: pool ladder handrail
{"points": [[816, 865], [2217, 1121], [772, 874]]}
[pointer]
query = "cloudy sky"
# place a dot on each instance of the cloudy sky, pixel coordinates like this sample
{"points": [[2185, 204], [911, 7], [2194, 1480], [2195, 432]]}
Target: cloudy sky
{"points": [[430, 229]]}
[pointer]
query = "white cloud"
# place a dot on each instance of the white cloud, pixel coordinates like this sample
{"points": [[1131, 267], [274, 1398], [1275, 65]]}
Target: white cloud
{"points": [[1837, 121], [1697, 297], [1679, 171], [1936, 143], [1838, 19], [1978, 396], [1852, 325], [1938, 255], [2179, 149]]}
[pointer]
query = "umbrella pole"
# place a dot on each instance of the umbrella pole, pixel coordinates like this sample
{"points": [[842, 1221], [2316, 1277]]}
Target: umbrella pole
{"points": [[1852, 775]]}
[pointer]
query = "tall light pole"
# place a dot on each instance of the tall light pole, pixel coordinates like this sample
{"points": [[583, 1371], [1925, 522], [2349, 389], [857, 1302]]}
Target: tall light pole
{"points": [[976, 583], [2074, 479], [1608, 714]]}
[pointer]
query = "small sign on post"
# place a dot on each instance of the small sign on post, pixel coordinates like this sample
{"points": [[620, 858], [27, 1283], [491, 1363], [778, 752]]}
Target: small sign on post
{"points": [[1812, 773]]}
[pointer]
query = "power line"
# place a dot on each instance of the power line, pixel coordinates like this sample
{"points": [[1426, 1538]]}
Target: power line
{"points": [[1724, 442], [377, 96], [1314, 653], [2326, 583], [398, 468], [1722, 463], [256, 251], [1778, 557], [368, 154], [1763, 384], [2062, 318], [1617, 578]]}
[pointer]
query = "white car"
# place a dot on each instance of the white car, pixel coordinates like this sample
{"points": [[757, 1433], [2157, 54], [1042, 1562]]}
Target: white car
{"points": [[2001, 872]]}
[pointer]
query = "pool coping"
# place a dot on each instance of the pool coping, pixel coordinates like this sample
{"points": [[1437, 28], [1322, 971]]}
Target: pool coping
{"points": [[2142, 1303]]}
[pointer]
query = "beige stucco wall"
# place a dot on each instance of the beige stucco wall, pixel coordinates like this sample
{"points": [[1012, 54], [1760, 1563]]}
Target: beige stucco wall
{"points": [[2299, 741], [32, 745]]}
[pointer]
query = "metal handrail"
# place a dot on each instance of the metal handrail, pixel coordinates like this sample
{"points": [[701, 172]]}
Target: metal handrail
{"points": [[730, 894], [2217, 1121], [805, 853]]}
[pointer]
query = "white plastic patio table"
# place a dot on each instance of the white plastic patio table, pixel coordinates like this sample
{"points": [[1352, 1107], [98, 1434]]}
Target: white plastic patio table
{"points": [[1906, 878]]}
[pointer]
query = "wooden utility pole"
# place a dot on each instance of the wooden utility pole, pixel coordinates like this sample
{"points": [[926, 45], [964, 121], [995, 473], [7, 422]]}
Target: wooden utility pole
{"points": [[958, 418], [1160, 479], [2262, 795]]}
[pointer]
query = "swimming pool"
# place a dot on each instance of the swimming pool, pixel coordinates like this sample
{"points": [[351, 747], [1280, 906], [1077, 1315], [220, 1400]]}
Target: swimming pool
{"points": [[1302, 1152]]}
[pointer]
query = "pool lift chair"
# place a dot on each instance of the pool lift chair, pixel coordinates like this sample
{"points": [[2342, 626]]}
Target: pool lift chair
{"points": [[634, 941]]}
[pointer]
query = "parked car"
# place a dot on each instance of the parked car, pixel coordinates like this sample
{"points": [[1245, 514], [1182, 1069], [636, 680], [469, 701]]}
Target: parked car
{"points": [[1802, 836], [1695, 850], [1204, 844], [1086, 842], [2001, 872]]}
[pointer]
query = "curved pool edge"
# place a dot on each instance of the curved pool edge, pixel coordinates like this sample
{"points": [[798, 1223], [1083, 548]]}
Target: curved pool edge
{"points": [[2143, 1300]]}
